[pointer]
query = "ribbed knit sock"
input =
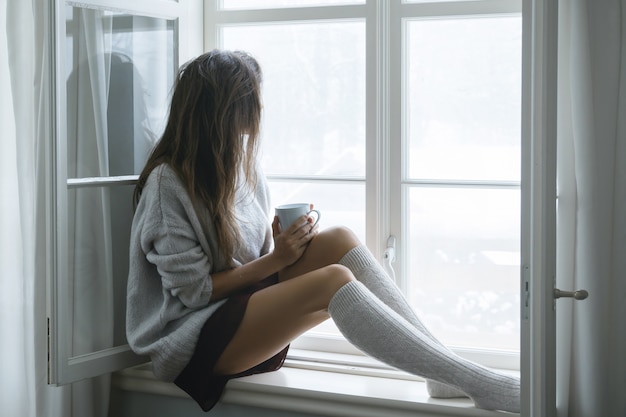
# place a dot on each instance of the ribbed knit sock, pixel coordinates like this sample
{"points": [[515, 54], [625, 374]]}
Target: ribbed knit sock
{"points": [[367, 270], [380, 332]]}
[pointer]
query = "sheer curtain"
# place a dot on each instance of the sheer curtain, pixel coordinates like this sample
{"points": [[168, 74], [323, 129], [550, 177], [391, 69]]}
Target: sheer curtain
{"points": [[25, 118], [591, 241]]}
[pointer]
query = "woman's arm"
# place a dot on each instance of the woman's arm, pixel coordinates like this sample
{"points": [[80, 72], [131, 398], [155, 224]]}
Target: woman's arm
{"points": [[288, 248]]}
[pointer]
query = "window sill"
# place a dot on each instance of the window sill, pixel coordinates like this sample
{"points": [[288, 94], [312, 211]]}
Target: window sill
{"points": [[323, 389]]}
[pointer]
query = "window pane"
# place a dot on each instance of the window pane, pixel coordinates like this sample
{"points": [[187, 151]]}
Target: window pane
{"points": [[464, 98], [464, 264], [119, 72], [275, 4], [98, 264], [117, 90], [313, 95], [339, 204]]}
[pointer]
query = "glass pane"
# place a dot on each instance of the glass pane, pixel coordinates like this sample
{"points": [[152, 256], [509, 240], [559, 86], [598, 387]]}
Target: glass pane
{"points": [[339, 204], [98, 236], [275, 4], [313, 95], [464, 264], [464, 98], [119, 72]]}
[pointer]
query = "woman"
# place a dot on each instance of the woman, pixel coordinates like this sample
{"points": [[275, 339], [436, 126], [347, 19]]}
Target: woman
{"points": [[214, 293]]}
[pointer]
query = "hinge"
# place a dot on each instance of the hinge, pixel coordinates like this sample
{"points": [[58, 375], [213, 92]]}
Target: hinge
{"points": [[554, 298], [526, 292], [49, 364]]}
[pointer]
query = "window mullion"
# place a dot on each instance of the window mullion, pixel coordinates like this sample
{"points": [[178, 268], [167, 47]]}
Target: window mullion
{"points": [[396, 212], [378, 122]]}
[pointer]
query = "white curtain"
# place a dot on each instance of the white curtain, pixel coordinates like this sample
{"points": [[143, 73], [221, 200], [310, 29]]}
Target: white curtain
{"points": [[25, 129], [24, 125], [591, 230]]}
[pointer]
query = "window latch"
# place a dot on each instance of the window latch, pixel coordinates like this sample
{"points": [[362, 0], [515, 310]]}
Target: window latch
{"points": [[389, 257], [390, 252]]}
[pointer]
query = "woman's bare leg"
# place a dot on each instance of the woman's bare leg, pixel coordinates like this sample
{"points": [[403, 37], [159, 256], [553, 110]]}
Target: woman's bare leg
{"points": [[278, 314], [340, 245], [328, 247]]}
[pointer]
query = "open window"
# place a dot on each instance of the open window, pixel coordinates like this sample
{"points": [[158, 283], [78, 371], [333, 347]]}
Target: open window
{"points": [[115, 63]]}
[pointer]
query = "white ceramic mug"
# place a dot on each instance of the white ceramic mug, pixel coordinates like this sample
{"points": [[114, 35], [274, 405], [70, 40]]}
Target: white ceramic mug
{"points": [[289, 213]]}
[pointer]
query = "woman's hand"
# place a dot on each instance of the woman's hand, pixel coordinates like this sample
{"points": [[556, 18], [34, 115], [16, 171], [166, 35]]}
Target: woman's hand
{"points": [[290, 244]]}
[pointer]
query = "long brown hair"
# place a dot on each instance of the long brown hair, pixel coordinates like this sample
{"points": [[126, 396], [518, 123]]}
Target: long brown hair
{"points": [[211, 136]]}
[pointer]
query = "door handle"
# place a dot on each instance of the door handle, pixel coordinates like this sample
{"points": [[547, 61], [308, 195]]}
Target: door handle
{"points": [[577, 295]]}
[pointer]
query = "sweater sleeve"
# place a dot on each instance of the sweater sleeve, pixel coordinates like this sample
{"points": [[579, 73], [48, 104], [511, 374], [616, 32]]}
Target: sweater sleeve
{"points": [[171, 243], [183, 266]]}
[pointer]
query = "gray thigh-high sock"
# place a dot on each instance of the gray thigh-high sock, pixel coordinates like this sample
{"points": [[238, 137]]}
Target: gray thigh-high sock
{"points": [[366, 269], [380, 332]]}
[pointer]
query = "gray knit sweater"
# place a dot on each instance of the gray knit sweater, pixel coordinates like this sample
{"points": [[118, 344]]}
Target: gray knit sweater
{"points": [[171, 260]]}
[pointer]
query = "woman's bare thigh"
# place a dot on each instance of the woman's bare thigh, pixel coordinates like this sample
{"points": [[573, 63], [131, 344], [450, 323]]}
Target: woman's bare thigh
{"points": [[327, 248], [278, 314]]}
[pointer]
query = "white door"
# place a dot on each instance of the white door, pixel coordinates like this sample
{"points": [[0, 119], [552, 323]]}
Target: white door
{"points": [[114, 64]]}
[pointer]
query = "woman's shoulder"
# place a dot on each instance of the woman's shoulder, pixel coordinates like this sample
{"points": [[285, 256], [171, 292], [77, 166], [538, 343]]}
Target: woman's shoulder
{"points": [[164, 191], [163, 179], [162, 171]]}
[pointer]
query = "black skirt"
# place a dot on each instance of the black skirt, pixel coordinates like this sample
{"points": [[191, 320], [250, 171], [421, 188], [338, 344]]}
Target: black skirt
{"points": [[198, 379]]}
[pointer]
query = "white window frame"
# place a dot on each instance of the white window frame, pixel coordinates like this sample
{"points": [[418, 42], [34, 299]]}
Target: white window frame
{"points": [[401, 13], [538, 179], [385, 21], [63, 367]]}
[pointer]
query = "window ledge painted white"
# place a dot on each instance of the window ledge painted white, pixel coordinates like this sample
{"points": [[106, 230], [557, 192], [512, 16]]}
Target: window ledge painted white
{"points": [[322, 389]]}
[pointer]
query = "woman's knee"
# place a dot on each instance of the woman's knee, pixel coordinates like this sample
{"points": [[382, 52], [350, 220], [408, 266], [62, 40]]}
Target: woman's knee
{"points": [[326, 249], [339, 237], [340, 275], [332, 278], [342, 233]]}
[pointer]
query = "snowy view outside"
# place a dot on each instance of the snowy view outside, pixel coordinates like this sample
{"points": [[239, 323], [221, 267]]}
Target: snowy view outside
{"points": [[314, 112], [461, 110], [464, 121]]}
